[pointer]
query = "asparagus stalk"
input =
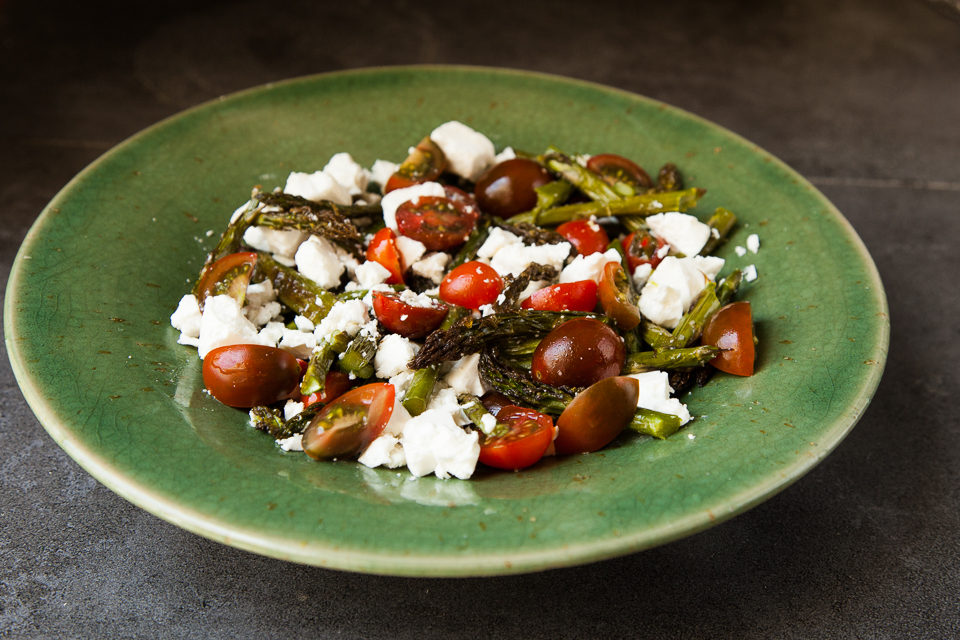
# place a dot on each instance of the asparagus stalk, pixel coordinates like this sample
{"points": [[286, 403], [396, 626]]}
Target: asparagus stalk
{"points": [[552, 194], [640, 205], [656, 336], [357, 358], [579, 176], [474, 241], [295, 290], [270, 420], [654, 423], [728, 286], [425, 378], [321, 360], [691, 324], [720, 223], [520, 388], [669, 359], [475, 412]]}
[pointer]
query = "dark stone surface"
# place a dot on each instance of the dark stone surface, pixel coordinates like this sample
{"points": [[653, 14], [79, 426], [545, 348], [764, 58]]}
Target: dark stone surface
{"points": [[861, 97]]}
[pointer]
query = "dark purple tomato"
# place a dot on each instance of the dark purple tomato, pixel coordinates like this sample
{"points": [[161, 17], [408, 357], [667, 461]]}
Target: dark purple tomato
{"points": [[248, 375], [578, 353], [508, 188]]}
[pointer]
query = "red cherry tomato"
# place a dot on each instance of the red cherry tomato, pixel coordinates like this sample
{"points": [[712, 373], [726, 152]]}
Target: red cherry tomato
{"points": [[645, 250], [383, 250], [578, 353], [530, 433], [509, 187], [731, 329], [471, 285], [597, 415], [229, 275], [351, 422], [614, 300], [614, 168], [406, 319], [439, 223], [249, 375], [425, 163], [586, 236], [334, 385], [567, 296]]}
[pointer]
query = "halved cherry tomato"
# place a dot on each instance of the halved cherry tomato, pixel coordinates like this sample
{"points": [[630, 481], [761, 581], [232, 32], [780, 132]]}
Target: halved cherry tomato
{"points": [[351, 422], [585, 235], [335, 384], [578, 353], [642, 250], [530, 433], [731, 329], [383, 250], [613, 297], [566, 296], [425, 163], [597, 415], [471, 285], [509, 187], [439, 223], [406, 319], [229, 275], [613, 168], [248, 375]]}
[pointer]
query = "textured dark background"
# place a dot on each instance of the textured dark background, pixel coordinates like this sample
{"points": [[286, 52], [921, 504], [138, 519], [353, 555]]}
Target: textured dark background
{"points": [[861, 97]]}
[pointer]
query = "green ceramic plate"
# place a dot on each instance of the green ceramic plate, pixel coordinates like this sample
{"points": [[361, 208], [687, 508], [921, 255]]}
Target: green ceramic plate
{"points": [[105, 264]]}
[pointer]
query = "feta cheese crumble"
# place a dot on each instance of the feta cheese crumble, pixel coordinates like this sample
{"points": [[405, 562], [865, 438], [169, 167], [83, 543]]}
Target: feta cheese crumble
{"points": [[469, 153], [655, 393], [671, 289], [588, 267], [753, 243], [433, 443], [682, 231], [317, 186]]}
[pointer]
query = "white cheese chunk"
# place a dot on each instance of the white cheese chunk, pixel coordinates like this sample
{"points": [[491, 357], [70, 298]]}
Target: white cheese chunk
{"points": [[293, 443], [393, 354], [654, 394], [750, 273], [260, 293], [753, 243], [347, 173], [270, 335], [469, 153], [186, 318], [432, 267], [262, 314], [709, 265], [381, 171], [280, 242], [348, 316], [445, 399], [300, 343], [588, 267], [303, 323], [513, 260], [641, 274], [740, 251], [318, 260], [410, 250], [670, 290], [397, 197], [371, 273], [496, 240], [684, 232], [291, 409], [507, 154], [399, 417], [223, 323], [433, 443], [464, 377], [316, 186], [384, 451]]}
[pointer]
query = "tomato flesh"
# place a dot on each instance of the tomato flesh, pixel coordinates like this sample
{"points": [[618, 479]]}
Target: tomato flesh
{"points": [[509, 187], [229, 275], [472, 285], [530, 434], [731, 329], [613, 168], [425, 163], [585, 235], [346, 426], [406, 319], [567, 296], [613, 299], [645, 250], [440, 223], [383, 250], [597, 415], [249, 375], [335, 384], [578, 353]]}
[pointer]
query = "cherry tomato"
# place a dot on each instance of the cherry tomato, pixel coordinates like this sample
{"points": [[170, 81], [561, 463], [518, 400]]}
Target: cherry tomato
{"points": [[229, 275], [509, 187], [731, 329], [425, 163], [613, 283], [383, 250], [493, 401], [248, 375], [334, 385], [406, 319], [351, 422], [614, 168], [471, 285], [642, 250], [530, 433], [567, 296], [585, 235], [597, 415], [578, 353], [440, 223]]}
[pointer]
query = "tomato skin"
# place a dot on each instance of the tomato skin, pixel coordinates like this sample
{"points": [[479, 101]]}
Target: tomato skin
{"points": [[471, 285], [509, 187], [440, 223], [613, 300], [614, 168], [597, 415], [587, 237], [531, 433], [248, 375], [731, 329], [650, 251], [346, 426], [229, 275], [493, 401], [567, 296], [406, 319], [383, 250], [334, 385], [425, 163], [578, 353]]}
